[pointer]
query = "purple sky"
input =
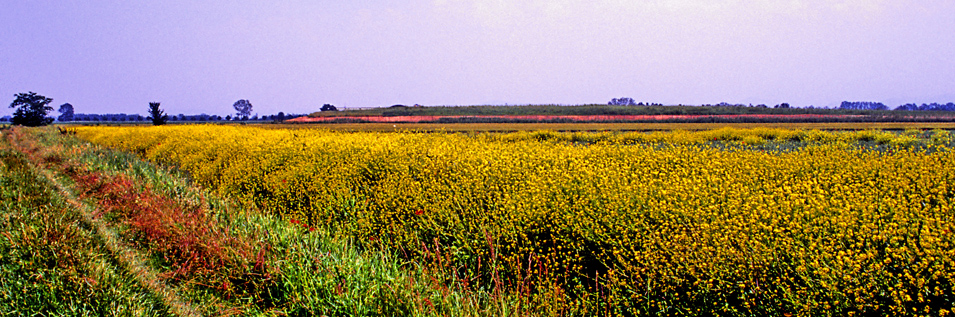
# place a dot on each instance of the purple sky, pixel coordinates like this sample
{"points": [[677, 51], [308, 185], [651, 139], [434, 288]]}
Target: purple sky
{"points": [[293, 56]]}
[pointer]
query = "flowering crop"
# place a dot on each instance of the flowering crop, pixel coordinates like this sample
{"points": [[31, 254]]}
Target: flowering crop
{"points": [[738, 222]]}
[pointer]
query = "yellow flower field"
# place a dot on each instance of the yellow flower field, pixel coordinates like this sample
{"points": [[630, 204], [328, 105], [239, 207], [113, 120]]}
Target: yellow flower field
{"points": [[729, 221]]}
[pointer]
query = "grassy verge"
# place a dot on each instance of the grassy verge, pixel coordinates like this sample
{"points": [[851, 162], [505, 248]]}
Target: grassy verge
{"points": [[51, 261]]}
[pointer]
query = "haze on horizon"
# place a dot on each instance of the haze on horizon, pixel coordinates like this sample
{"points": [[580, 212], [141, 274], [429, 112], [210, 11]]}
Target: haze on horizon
{"points": [[293, 56]]}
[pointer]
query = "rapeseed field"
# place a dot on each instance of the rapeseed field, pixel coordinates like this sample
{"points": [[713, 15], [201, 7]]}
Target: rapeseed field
{"points": [[728, 222]]}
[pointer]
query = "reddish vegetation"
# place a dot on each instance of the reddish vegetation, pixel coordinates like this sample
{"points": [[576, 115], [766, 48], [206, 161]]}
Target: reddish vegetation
{"points": [[185, 237], [594, 118]]}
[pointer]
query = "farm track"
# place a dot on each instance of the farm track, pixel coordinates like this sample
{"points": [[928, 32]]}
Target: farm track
{"points": [[130, 259]]}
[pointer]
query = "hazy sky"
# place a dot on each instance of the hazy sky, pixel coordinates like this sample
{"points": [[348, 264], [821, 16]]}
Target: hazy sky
{"points": [[293, 56]]}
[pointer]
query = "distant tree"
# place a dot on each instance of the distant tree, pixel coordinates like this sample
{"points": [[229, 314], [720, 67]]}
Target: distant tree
{"points": [[156, 114], [280, 116], [242, 108], [782, 106], [862, 105], [66, 111], [228, 118], [625, 101], [328, 107], [31, 109]]}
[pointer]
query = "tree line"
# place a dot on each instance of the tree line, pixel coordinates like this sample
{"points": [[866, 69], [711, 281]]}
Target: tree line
{"points": [[845, 105], [32, 109], [927, 107], [868, 105]]}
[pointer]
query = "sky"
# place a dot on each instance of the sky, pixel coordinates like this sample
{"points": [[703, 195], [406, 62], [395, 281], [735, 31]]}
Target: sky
{"points": [[116, 56]]}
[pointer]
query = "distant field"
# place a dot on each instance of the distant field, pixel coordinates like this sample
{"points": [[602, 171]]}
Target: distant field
{"points": [[606, 110], [578, 126], [567, 126], [727, 118], [617, 114]]}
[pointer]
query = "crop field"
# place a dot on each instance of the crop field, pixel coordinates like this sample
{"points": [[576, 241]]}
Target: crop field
{"points": [[597, 127], [609, 110], [739, 222]]}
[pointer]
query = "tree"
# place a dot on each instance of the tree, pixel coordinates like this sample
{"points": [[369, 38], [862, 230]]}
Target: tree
{"points": [[156, 114], [281, 116], [31, 109], [66, 111], [863, 105], [625, 101], [328, 107], [242, 108]]}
